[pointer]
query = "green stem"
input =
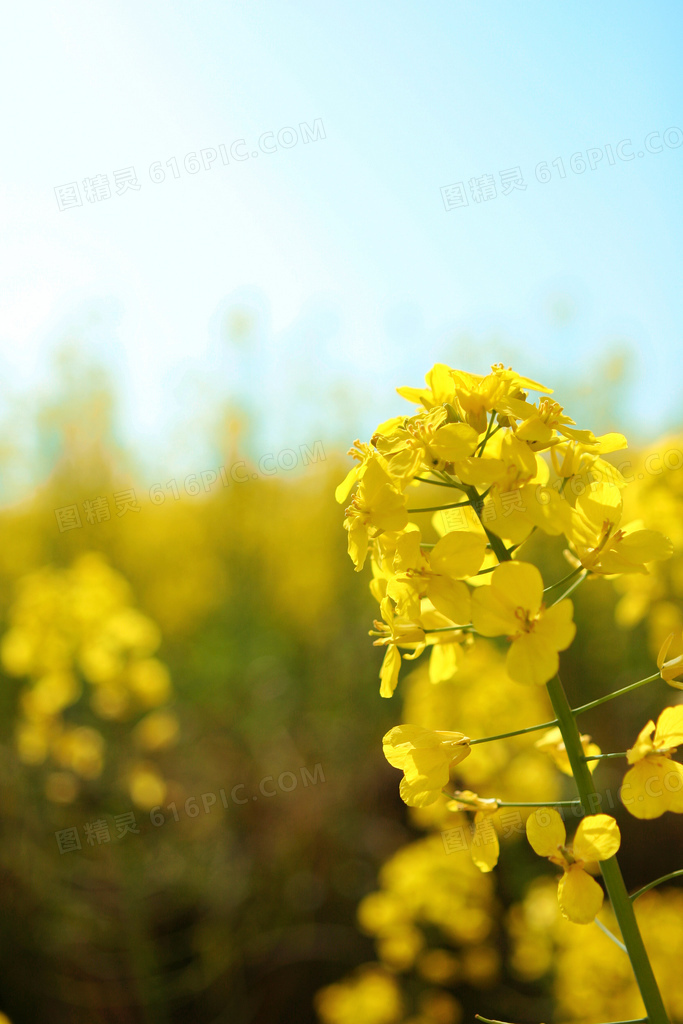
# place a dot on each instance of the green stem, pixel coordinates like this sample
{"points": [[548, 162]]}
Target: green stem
{"points": [[617, 693], [437, 483], [565, 579], [487, 1020], [516, 732], [570, 590], [440, 508], [602, 757], [658, 881], [515, 803], [611, 872]]}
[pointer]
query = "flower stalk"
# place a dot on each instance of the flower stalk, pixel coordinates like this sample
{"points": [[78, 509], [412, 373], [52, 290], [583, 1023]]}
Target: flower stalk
{"points": [[611, 872]]}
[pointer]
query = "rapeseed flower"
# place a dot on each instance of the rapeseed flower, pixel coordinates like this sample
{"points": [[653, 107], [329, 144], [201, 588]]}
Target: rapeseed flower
{"points": [[513, 606], [655, 782], [597, 838], [425, 757]]}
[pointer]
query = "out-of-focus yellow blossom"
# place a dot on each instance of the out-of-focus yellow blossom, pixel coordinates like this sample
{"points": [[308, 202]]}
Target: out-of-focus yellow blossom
{"points": [[81, 749], [425, 758], [597, 838], [69, 627], [391, 633], [438, 966], [399, 948], [446, 892], [655, 782], [671, 670], [150, 681], [157, 730], [513, 606], [376, 506], [438, 1007], [146, 785], [484, 845], [370, 996], [552, 744], [593, 979], [604, 548]]}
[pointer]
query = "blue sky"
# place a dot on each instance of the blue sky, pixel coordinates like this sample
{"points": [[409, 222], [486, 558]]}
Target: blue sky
{"points": [[354, 275]]}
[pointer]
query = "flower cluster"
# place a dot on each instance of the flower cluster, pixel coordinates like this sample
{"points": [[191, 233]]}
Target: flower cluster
{"points": [[76, 636], [445, 581], [481, 439]]}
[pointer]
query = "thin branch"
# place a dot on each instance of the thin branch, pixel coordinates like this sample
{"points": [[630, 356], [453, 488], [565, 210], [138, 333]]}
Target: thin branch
{"points": [[658, 881], [617, 693]]}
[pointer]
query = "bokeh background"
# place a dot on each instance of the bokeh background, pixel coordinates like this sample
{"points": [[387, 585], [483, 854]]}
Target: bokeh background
{"points": [[183, 366]]}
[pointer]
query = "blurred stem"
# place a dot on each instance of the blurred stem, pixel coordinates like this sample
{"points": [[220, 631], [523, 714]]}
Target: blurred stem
{"points": [[611, 872], [602, 757]]}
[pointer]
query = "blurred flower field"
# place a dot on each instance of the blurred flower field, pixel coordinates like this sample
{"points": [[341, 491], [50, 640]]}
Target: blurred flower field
{"points": [[198, 823]]}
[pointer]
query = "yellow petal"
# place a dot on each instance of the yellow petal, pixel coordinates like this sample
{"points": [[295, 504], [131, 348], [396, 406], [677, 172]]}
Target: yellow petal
{"points": [[645, 546], [545, 831], [556, 625], [416, 793], [454, 441], [643, 745], [597, 838], [459, 554], [580, 897], [485, 847], [532, 659], [443, 662], [451, 598], [358, 546], [669, 731], [643, 792], [492, 613], [521, 583], [388, 673], [342, 491]]}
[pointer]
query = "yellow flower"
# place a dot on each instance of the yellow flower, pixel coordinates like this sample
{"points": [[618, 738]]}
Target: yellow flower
{"points": [[436, 575], [425, 757], [513, 606], [542, 423], [671, 670], [476, 396], [574, 458], [655, 782], [391, 633], [597, 838], [601, 546], [376, 506], [484, 845], [362, 453], [552, 744]]}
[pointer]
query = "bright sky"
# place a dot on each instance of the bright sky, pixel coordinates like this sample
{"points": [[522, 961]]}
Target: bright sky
{"points": [[357, 274]]}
